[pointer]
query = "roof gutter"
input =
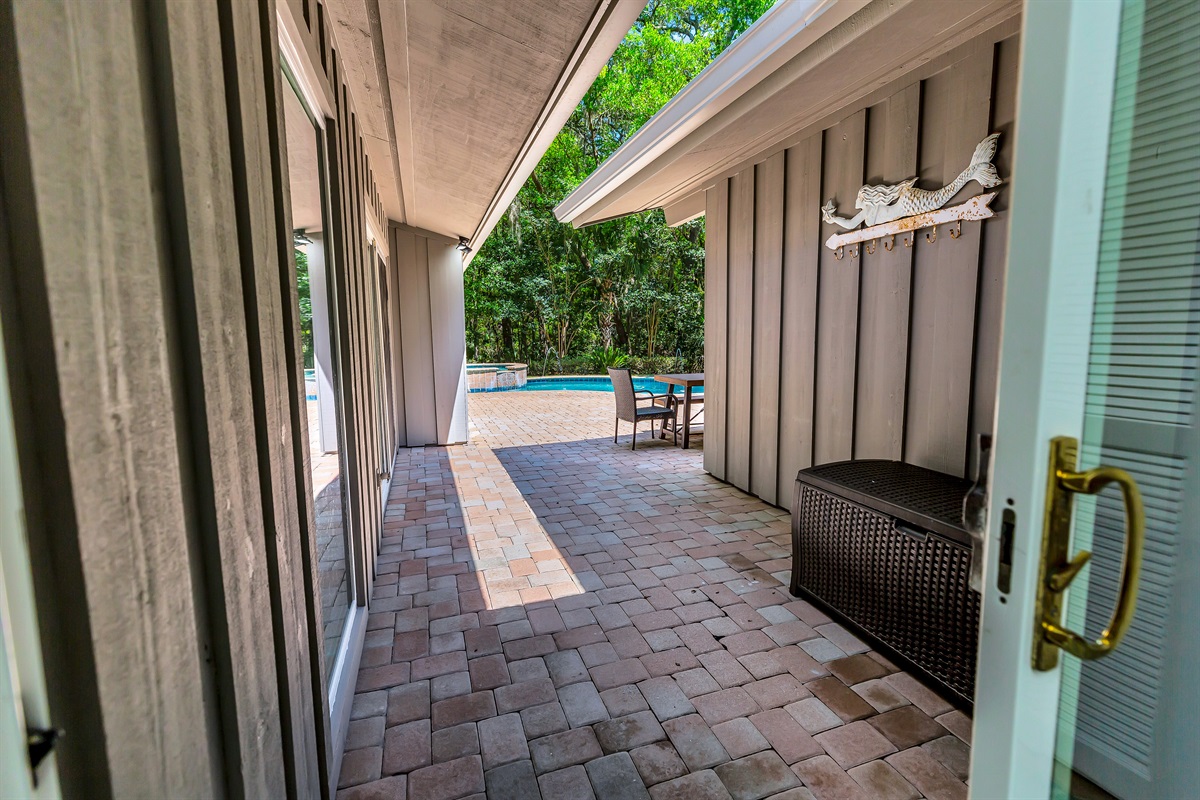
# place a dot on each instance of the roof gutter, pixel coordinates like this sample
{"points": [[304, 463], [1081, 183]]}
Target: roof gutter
{"points": [[608, 26], [785, 30]]}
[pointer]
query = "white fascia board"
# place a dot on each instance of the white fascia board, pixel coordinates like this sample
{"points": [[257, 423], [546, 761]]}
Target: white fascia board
{"points": [[785, 30], [950, 31], [608, 26]]}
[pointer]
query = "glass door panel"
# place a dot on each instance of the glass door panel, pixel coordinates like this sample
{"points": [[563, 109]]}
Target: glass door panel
{"points": [[318, 324], [1139, 411], [382, 352], [1088, 635]]}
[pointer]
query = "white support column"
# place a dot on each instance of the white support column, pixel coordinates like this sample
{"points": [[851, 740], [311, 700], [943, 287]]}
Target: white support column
{"points": [[447, 303], [318, 285], [433, 337]]}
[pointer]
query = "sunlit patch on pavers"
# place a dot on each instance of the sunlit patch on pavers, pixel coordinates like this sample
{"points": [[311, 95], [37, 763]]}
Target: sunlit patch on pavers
{"points": [[544, 582]]}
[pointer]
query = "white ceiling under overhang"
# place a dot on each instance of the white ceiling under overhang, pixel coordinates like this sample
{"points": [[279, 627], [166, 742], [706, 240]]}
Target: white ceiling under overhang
{"points": [[458, 99]]}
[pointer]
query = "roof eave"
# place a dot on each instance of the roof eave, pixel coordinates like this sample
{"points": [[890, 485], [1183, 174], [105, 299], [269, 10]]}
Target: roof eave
{"points": [[783, 31], [609, 25]]}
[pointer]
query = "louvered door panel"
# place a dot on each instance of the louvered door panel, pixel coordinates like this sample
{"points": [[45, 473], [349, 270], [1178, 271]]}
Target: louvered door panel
{"points": [[1141, 394]]}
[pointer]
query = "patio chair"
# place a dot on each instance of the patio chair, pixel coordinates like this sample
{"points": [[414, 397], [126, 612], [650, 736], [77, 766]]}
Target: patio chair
{"points": [[627, 406]]}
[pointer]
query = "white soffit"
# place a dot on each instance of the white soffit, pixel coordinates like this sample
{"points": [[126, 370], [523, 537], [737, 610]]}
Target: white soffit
{"points": [[784, 74], [459, 99], [689, 208], [608, 27]]}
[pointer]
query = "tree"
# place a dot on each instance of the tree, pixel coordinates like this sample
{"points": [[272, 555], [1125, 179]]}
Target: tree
{"points": [[305, 295], [548, 294]]}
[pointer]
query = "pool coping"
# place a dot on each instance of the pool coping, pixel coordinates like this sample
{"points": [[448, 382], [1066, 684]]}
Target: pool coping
{"points": [[482, 379], [496, 377], [582, 379]]}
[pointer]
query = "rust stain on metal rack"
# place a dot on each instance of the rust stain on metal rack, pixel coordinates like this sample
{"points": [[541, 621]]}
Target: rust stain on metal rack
{"points": [[977, 208]]}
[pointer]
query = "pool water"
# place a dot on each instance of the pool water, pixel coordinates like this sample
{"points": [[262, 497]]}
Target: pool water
{"points": [[597, 384]]}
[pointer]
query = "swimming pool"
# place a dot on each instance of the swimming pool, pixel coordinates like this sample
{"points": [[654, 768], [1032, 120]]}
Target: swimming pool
{"points": [[596, 384]]}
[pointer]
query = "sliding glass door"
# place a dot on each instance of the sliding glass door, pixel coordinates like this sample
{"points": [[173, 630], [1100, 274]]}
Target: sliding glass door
{"points": [[336, 594]]}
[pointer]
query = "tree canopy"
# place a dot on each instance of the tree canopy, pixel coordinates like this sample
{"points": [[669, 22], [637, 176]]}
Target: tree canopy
{"points": [[566, 300]]}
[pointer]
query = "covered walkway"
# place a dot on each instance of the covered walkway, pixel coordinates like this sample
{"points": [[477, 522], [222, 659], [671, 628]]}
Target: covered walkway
{"points": [[558, 616]]}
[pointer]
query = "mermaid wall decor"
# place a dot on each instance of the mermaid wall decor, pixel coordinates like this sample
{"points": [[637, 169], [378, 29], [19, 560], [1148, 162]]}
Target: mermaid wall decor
{"points": [[902, 208]]}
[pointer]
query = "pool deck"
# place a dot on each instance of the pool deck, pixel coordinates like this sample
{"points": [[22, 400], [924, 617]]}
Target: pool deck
{"points": [[558, 616]]}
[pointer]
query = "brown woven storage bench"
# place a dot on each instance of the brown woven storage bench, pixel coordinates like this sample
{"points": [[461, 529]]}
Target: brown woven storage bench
{"points": [[880, 545]]}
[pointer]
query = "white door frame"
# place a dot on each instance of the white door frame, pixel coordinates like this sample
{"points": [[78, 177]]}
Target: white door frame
{"points": [[303, 72], [1068, 62]]}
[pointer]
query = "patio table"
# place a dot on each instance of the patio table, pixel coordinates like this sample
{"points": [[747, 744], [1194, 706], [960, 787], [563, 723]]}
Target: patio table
{"points": [[687, 380]]}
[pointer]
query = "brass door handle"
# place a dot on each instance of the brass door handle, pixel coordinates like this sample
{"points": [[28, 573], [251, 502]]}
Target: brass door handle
{"points": [[1057, 571]]}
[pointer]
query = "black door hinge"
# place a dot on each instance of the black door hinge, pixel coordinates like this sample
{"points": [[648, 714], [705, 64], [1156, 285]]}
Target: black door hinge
{"points": [[41, 742]]}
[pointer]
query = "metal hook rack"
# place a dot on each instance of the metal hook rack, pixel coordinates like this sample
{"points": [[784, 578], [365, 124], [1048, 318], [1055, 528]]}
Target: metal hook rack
{"points": [[950, 219]]}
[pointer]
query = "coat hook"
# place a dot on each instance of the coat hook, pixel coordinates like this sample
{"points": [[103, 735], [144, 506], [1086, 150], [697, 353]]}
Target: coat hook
{"points": [[956, 231], [909, 239], [931, 237], [871, 246], [840, 253], [890, 243], [854, 252]]}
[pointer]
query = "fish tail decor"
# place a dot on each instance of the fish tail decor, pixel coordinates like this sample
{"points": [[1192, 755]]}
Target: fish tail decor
{"points": [[982, 170]]}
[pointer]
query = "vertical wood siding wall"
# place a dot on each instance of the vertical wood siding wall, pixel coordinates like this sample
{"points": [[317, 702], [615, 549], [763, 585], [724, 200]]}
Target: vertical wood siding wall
{"points": [[149, 298], [431, 332], [891, 355]]}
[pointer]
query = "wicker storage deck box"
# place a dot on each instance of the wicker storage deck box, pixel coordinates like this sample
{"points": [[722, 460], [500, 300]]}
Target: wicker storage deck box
{"points": [[880, 544]]}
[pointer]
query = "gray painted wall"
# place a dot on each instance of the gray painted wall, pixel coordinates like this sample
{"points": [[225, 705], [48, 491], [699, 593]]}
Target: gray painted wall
{"points": [[152, 333], [891, 355], [431, 407]]}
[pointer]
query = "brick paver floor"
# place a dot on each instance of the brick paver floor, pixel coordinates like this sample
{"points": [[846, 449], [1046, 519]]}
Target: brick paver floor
{"points": [[558, 617]]}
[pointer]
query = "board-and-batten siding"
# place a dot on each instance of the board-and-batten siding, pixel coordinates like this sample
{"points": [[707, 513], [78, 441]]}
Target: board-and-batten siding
{"points": [[716, 322], [811, 359], [152, 327], [740, 288], [431, 404]]}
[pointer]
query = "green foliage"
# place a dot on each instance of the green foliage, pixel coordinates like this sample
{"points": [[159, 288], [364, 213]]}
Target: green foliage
{"points": [[601, 358], [306, 324], [553, 296], [657, 365]]}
